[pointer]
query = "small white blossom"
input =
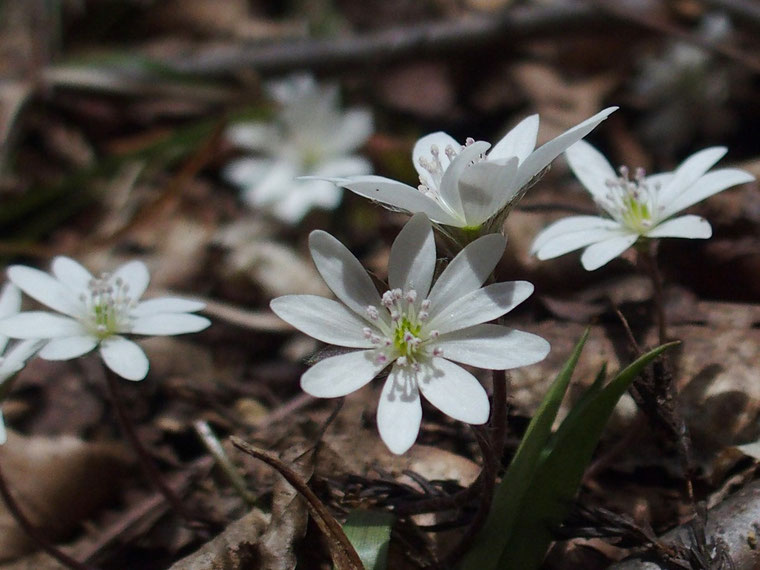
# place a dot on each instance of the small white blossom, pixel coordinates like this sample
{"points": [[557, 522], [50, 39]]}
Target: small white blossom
{"points": [[311, 136], [464, 186], [636, 206], [96, 313], [13, 358], [416, 329]]}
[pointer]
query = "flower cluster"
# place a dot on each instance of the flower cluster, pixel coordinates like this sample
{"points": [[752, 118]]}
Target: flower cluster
{"points": [[311, 136], [417, 327], [635, 207]]}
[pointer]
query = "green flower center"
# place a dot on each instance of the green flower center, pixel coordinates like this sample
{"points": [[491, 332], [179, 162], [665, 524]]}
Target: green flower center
{"points": [[108, 306]]}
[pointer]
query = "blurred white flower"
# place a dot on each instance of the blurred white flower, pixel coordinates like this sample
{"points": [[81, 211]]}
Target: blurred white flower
{"points": [[463, 187], [638, 207], [96, 312], [311, 136], [415, 329], [13, 358]]}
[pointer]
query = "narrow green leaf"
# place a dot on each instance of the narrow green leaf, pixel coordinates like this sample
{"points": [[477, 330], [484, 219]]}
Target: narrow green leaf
{"points": [[509, 495], [370, 534], [554, 485]]}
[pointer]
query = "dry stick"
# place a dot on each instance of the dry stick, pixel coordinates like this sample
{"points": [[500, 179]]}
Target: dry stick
{"points": [[146, 461], [34, 533]]}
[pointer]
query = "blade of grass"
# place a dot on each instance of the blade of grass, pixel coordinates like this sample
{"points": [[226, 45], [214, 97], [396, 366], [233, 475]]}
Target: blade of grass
{"points": [[370, 534]]}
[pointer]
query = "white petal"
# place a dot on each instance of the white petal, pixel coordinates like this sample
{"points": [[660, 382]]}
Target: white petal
{"points": [[422, 150], [412, 259], [709, 184], [168, 323], [124, 357], [352, 130], [71, 273], [571, 225], [485, 188], [302, 196], [343, 273], [591, 168], [167, 305], [689, 226], [480, 306], [3, 433], [399, 410], [247, 172], [568, 242], [519, 142], [603, 252], [454, 391], [273, 186], [10, 300], [342, 167], [16, 357], [689, 171], [493, 347], [467, 271], [339, 375], [397, 195], [135, 275], [68, 347], [252, 136], [45, 289], [323, 319], [449, 189], [542, 156], [40, 324]]}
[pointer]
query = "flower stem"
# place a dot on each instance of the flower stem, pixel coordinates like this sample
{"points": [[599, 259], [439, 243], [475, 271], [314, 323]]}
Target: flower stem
{"points": [[33, 532], [647, 257], [146, 461]]}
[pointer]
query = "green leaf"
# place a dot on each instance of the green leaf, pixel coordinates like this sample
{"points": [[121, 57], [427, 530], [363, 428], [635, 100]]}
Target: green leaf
{"points": [[555, 483], [511, 492], [370, 534]]}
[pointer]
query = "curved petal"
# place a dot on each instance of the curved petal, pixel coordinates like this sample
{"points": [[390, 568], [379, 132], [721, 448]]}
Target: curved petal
{"points": [[519, 142], [412, 259], [68, 347], [168, 324], [16, 357], [568, 242], [72, 274], [10, 300], [689, 226], [342, 167], [493, 347], [124, 357], [339, 375], [302, 196], [166, 305], [449, 188], [689, 171], [246, 172], [485, 188], [480, 306], [571, 225], [591, 168], [274, 184], [543, 155], [399, 410], [468, 270], [397, 195], [135, 275], [709, 184], [45, 289], [323, 319], [253, 136], [40, 324], [603, 252], [454, 391], [422, 150], [343, 273], [352, 130]]}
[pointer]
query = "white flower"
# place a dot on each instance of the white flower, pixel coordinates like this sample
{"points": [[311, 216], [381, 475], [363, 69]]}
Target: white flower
{"points": [[462, 186], [416, 329], [97, 311], [14, 358], [311, 137], [638, 207]]}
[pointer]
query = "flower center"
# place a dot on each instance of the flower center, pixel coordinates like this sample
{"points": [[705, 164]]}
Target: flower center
{"points": [[108, 306], [631, 202], [431, 187], [406, 340]]}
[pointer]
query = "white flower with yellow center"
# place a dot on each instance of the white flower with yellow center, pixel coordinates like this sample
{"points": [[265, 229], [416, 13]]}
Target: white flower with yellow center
{"points": [[466, 186], [416, 327], [636, 207], [96, 313]]}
